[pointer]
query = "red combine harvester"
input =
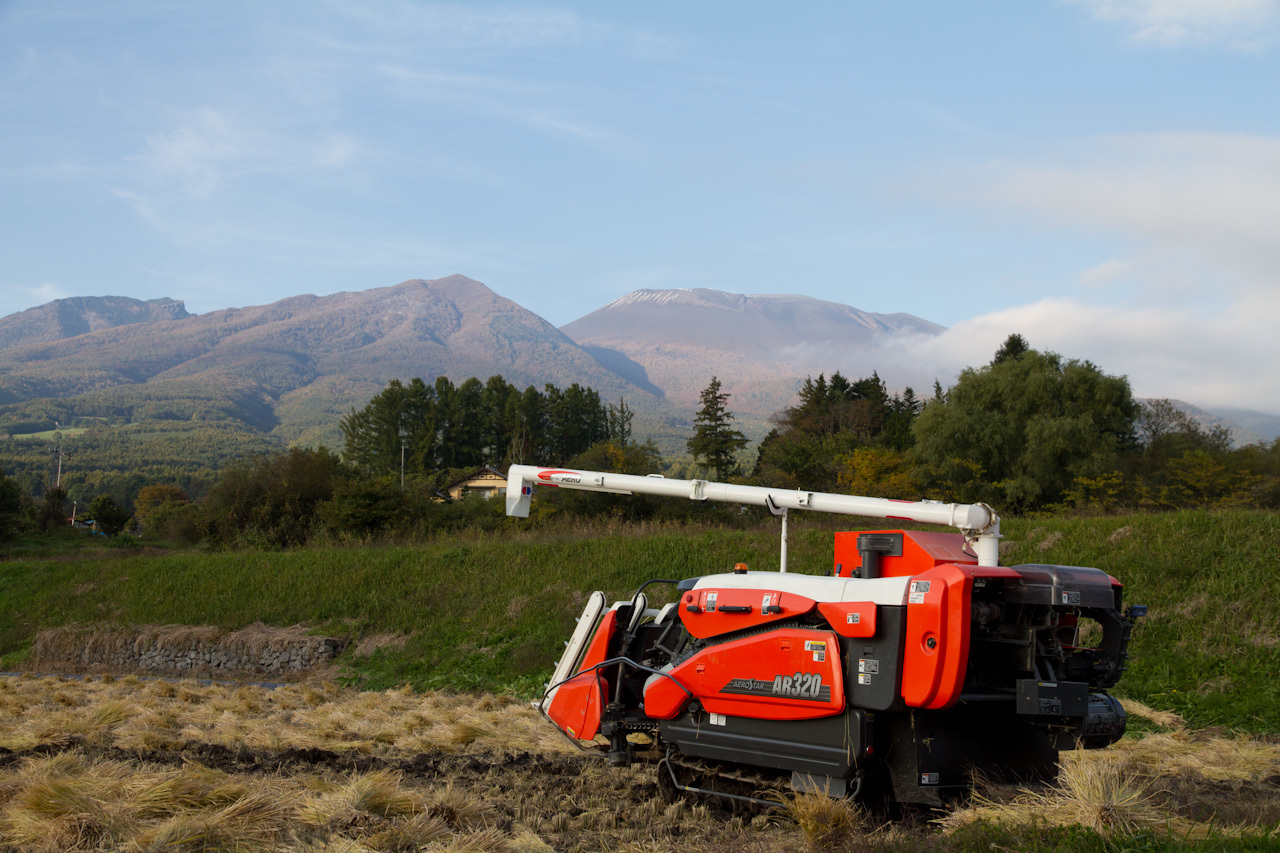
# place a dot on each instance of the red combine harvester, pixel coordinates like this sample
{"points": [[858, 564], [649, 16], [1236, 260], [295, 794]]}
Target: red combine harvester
{"points": [[917, 661]]}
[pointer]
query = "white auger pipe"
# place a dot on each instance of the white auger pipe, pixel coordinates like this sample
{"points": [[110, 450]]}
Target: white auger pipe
{"points": [[978, 522]]}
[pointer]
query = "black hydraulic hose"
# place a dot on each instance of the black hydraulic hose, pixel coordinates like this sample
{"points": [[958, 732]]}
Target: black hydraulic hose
{"points": [[651, 583], [611, 662]]}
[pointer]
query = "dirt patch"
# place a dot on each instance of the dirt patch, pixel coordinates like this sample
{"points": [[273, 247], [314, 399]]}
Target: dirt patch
{"points": [[538, 769]]}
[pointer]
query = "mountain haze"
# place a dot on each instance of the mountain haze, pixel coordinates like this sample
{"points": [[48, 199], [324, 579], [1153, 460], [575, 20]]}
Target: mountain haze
{"points": [[759, 346]]}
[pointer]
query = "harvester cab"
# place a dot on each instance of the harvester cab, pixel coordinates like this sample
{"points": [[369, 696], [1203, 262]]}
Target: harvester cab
{"points": [[918, 660]]}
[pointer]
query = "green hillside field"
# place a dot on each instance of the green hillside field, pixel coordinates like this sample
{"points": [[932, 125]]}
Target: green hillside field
{"points": [[492, 611]]}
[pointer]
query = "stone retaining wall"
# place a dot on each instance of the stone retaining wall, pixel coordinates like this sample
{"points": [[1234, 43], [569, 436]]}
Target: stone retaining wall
{"points": [[184, 650]]}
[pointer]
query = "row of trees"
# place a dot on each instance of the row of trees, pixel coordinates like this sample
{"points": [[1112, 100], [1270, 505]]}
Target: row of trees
{"points": [[813, 439], [420, 428], [401, 452], [1028, 431], [20, 511]]}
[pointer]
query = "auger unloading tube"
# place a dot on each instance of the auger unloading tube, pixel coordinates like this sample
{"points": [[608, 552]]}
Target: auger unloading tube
{"points": [[978, 522]]}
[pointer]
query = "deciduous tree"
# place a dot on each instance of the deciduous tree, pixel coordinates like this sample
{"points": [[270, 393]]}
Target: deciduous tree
{"points": [[1031, 424], [110, 518], [150, 498]]}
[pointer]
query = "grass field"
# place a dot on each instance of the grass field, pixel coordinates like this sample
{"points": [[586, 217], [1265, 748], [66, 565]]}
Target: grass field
{"points": [[490, 612], [121, 763], [49, 434]]}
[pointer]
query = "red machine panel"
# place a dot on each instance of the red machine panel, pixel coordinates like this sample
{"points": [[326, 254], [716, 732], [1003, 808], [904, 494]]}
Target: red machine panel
{"points": [[935, 652], [921, 550], [787, 674], [936, 649], [579, 702], [715, 611], [850, 618]]}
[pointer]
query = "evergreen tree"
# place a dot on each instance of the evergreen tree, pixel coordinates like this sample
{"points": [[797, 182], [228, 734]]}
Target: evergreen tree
{"points": [[497, 415], [1014, 346], [715, 443], [10, 508], [528, 429], [400, 416], [833, 418], [444, 427], [465, 445], [51, 512], [576, 419], [619, 423]]}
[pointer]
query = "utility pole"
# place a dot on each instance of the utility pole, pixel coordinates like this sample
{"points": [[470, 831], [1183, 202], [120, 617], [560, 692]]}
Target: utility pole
{"points": [[402, 466], [57, 451]]}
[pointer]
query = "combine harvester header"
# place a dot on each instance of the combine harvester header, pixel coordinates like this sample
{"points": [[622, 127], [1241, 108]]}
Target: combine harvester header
{"points": [[917, 661]]}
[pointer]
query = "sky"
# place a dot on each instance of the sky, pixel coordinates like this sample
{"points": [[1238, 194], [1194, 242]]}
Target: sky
{"points": [[1100, 176]]}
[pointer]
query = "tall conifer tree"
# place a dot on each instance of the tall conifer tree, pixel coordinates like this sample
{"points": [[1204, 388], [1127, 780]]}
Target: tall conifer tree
{"points": [[715, 443]]}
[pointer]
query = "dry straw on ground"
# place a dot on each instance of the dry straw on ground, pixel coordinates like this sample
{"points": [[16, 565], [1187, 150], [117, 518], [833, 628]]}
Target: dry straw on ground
{"points": [[138, 765], [1177, 783]]}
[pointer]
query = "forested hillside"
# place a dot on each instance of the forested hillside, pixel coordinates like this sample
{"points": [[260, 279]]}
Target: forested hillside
{"points": [[290, 369]]}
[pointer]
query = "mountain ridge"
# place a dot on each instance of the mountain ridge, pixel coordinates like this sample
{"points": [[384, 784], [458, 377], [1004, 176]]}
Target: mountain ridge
{"points": [[79, 315], [761, 346], [331, 352], [293, 368]]}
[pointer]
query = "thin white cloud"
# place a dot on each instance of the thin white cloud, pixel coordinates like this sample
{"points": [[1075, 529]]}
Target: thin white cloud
{"points": [[520, 101], [1221, 360], [1105, 273], [20, 297], [1201, 216], [1214, 360], [456, 26], [1212, 195], [1238, 24], [207, 148], [45, 291]]}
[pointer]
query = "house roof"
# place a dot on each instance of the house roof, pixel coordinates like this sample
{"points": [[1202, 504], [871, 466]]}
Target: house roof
{"points": [[482, 470]]}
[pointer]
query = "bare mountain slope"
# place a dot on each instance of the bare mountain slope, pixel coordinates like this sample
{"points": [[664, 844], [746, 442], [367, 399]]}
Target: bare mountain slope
{"points": [[760, 347], [67, 318]]}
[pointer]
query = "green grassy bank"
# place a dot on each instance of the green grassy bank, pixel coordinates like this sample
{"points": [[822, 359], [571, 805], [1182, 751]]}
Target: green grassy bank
{"points": [[494, 612]]}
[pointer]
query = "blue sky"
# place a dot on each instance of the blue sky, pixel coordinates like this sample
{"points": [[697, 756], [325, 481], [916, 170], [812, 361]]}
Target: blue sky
{"points": [[1102, 176]]}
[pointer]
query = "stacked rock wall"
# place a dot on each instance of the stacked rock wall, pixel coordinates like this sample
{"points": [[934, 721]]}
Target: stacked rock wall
{"points": [[184, 650]]}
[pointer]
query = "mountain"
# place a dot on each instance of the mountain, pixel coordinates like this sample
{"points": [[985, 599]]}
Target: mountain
{"points": [[144, 392], [294, 367], [78, 315], [1266, 427], [760, 347], [1240, 432]]}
